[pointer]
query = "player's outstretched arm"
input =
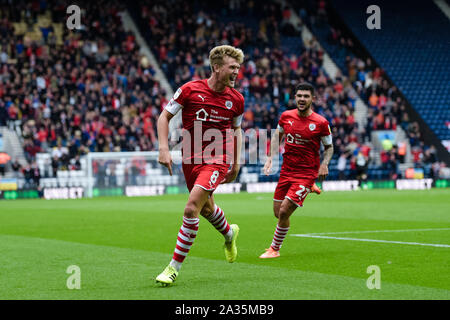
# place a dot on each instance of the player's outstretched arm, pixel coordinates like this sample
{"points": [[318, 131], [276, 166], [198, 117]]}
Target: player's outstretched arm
{"points": [[327, 155], [274, 147], [163, 139]]}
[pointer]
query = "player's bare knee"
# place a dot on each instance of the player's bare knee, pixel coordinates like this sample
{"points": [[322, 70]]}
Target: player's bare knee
{"points": [[276, 209], [190, 211], [284, 214], [276, 213]]}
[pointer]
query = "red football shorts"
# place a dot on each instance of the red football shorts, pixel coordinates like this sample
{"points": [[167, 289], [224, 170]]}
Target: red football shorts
{"points": [[295, 190], [206, 176]]}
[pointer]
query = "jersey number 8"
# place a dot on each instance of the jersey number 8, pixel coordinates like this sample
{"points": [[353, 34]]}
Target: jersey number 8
{"points": [[214, 177]]}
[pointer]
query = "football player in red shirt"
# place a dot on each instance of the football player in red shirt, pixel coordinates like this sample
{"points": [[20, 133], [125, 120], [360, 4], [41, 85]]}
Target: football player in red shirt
{"points": [[210, 108], [304, 131]]}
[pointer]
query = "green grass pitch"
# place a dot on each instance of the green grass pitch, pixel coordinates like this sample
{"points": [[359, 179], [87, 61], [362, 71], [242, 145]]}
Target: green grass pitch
{"points": [[121, 244]]}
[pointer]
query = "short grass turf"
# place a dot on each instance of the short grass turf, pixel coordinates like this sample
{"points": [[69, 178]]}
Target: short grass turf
{"points": [[121, 244]]}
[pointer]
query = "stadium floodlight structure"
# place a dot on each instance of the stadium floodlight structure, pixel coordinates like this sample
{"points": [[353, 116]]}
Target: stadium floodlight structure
{"points": [[130, 169]]}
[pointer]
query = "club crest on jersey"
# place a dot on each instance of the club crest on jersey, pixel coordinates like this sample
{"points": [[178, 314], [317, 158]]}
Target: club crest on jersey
{"points": [[312, 126], [229, 104]]}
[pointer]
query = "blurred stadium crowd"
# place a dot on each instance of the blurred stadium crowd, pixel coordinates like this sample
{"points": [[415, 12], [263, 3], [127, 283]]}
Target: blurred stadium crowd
{"points": [[92, 90], [77, 92]]}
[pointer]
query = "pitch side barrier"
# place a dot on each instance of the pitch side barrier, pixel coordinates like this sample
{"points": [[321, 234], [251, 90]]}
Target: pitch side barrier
{"points": [[256, 187]]}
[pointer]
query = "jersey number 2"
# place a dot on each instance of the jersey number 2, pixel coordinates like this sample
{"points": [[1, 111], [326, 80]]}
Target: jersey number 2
{"points": [[303, 192]]}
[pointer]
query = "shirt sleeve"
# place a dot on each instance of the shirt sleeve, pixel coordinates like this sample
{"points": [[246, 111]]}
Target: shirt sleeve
{"points": [[326, 136], [280, 125], [280, 128], [237, 120], [173, 107], [179, 100]]}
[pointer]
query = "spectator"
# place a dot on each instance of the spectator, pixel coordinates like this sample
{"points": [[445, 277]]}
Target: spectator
{"points": [[75, 163], [16, 167], [28, 175], [361, 167], [3, 114], [392, 166], [4, 159], [353, 168], [55, 165], [444, 171], [341, 166], [36, 174]]}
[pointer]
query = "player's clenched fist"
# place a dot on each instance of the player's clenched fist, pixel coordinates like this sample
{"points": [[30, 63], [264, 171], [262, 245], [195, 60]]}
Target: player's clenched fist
{"points": [[231, 175], [165, 159], [268, 166], [323, 172]]}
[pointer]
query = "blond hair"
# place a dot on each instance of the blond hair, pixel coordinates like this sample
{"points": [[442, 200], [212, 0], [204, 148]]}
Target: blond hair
{"points": [[217, 54]]}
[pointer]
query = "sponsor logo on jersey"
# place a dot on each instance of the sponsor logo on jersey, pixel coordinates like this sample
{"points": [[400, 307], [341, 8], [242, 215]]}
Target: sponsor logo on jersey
{"points": [[229, 104], [202, 115], [291, 122], [312, 126], [203, 99], [296, 139]]}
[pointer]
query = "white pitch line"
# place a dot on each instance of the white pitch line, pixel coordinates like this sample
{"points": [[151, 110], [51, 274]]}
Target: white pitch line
{"points": [[378, 231], [373, 240]]}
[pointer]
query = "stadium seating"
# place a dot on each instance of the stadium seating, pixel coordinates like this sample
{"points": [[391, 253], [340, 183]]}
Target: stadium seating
{"points": [[367, 80], [275, 45], [413, 49], [120, 113], [88, 90]]}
